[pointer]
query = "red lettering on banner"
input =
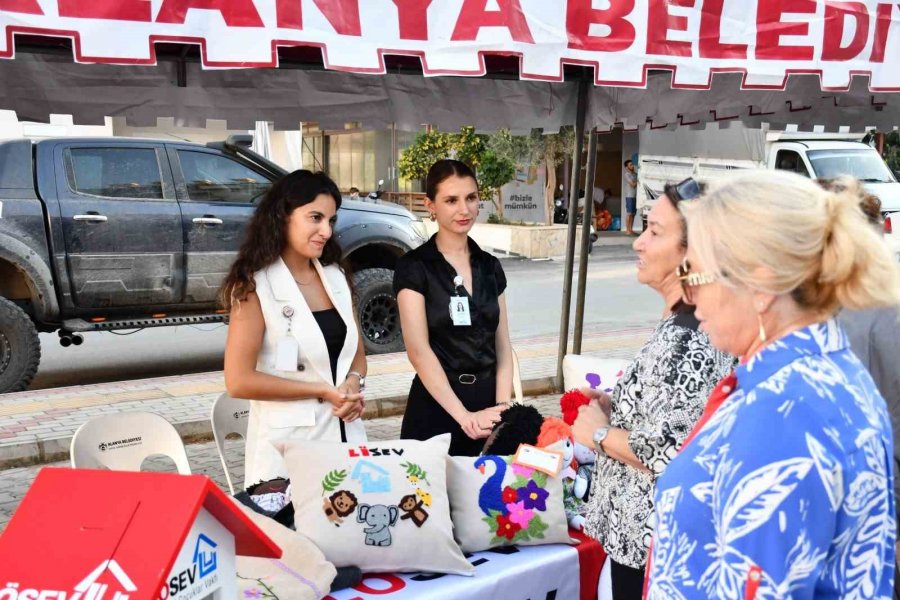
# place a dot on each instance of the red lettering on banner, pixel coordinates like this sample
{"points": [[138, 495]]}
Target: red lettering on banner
{"points": [[711, 34], [580, 15], [396, 584], [342, 14], [882, 27], [117, 10], [770, 28], [413, 16], [288, 14], [836, 14], [28, 7], [474, 15], [660, 22], [236, 13]]}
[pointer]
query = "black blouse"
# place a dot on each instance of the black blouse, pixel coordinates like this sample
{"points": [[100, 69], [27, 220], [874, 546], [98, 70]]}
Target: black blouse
{"points": [[334, 330], [465, 349]]}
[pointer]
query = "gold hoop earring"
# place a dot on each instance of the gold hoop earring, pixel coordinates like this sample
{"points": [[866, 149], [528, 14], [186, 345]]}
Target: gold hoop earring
{"points": [[762, 330]]}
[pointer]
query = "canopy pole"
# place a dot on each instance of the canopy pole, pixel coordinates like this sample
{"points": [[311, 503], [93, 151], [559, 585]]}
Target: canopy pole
{"points": [[587, 219], [575, 180]]}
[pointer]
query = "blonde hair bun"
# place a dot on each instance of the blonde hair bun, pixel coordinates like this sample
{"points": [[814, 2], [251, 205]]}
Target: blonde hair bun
{"points": [[781, 233]]}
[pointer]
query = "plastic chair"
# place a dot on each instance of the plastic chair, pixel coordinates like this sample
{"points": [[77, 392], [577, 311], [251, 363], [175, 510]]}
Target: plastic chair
{"points": [[517, 378], [228, 415], [121, 442]]}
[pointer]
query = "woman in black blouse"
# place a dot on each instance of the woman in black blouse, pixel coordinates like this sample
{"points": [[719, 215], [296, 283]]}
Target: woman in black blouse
{"points": [[453, 315]]}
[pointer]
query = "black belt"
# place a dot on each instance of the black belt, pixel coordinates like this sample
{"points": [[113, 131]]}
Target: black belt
{"points": [[470, 377]]}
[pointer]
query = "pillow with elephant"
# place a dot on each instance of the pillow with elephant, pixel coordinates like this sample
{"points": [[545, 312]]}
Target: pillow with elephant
{"points": [[381, 506], [495, 502]]}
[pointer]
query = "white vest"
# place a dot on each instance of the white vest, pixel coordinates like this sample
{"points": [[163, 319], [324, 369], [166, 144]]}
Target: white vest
{"points": [[303, 419]]}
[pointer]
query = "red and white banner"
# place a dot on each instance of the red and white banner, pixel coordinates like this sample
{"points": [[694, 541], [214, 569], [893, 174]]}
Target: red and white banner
{"points": [[767, 40]]}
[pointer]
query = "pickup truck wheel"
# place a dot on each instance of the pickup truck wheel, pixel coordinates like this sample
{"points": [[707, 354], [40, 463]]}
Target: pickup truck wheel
{"points": [[20, 348], [379, 315]]}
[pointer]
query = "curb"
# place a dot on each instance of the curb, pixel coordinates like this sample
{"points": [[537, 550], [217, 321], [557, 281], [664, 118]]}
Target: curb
{"points": [[56, 449]]}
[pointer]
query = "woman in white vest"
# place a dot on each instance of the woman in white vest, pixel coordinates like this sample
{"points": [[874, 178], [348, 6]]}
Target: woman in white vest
{"points": [[293, 346]]}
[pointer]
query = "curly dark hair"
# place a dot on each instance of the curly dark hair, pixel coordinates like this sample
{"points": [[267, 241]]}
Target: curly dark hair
{"points": [[265, 234], [518, 424]]}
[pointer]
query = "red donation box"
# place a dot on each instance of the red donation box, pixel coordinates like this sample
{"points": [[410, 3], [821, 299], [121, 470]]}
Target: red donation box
{"points": [[115, 535]]}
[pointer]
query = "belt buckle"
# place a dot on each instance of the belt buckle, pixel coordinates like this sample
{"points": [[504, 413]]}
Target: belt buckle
{"points": [[467, 379]]}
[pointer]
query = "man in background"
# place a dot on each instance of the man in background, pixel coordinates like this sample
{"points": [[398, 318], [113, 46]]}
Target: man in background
{"points": [[631, 181]]}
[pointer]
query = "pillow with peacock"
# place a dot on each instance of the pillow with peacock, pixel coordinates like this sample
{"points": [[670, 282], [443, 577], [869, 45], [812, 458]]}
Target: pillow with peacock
{"points": [[380, 506], [495, 502]]}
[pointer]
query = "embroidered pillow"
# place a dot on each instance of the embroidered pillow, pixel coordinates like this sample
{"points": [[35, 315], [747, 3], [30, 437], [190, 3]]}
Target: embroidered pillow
{"points": [[381, 506], [590, 371], [497, 503]]}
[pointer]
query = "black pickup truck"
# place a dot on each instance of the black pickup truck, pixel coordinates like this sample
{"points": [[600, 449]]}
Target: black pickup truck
{"points": [[100, 234]]}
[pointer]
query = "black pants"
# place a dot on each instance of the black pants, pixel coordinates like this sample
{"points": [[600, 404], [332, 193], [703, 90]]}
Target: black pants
{"points": [[627, 583], [425, 418]]}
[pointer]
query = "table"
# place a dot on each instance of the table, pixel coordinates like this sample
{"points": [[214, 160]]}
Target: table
{"points": [[553, 571]]}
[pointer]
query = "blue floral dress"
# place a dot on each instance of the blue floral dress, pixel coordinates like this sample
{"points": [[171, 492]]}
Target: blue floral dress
{"points": [[786, 492]]}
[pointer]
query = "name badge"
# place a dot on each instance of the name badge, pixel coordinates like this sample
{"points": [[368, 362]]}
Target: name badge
{"points": [[459, 311], [287, 353]]}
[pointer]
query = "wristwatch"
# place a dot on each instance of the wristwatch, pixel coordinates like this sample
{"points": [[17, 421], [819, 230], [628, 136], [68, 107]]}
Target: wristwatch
{"points": [[362, 379], [599, 436]]}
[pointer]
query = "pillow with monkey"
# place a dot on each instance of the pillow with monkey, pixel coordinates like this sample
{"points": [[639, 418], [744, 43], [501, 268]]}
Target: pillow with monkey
{"points": [[380, 506]]}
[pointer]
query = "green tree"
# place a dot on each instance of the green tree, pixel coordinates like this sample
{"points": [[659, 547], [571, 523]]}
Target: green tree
{"points": [[428, 148], [493, 173]]}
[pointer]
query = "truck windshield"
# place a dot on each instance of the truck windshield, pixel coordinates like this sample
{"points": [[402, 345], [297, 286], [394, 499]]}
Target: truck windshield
{"points": [[864, 164]]}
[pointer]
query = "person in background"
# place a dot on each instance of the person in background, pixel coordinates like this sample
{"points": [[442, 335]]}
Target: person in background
{"points": [[453, 317], [875, 333], [354, 193], [294, 348], [785, 487], [653, 407], [631, 181]]}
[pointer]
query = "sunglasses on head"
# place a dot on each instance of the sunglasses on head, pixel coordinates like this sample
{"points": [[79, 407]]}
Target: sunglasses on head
{"points": [[686, 190]]}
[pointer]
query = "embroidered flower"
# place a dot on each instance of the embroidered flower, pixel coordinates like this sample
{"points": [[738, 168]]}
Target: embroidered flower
{"points": [[520, 515], [533, 496], [509, 495], [506, 528], [522, 470], [254, 593]]}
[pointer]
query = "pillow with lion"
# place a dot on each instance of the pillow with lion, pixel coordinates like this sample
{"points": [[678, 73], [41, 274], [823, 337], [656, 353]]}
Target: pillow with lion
{"points": [[380, 506]]}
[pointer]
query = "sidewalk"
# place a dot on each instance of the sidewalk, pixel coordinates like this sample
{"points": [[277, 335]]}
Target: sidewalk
{"points": [[37, 427]]}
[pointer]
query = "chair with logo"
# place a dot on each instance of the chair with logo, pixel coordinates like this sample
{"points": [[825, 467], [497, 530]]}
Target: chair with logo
{"points": [[229, 416], [121, 442]]}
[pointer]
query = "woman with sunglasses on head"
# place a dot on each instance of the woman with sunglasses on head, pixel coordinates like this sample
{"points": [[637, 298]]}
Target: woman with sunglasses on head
{"points": [[453, 315], [293, 345], [784, 489], [639, 428]]}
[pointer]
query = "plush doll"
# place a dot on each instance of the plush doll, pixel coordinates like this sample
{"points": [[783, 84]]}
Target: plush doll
{"points": [[585, 456], [518, 424], [557, 435]]}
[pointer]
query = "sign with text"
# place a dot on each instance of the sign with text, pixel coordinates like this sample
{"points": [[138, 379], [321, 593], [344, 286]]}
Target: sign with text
{"points": [[764, 39], [522, 199]]}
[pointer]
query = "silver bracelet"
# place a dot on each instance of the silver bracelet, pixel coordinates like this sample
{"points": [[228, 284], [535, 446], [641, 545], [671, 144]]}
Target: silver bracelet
{"points": [[362, 379]]}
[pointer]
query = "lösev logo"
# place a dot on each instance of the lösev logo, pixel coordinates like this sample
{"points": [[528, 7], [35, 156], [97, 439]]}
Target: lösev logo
{"points": [[90, 588], [115, 445], [195, 580], [241, 413]]}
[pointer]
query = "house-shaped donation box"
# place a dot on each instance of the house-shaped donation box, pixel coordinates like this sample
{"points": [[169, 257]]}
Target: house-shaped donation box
{"points": [[115, 535]]}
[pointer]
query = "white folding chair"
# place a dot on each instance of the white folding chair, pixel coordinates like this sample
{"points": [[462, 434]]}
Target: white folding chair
{"points": [[517, 378], [121, 442], [229, 415]]}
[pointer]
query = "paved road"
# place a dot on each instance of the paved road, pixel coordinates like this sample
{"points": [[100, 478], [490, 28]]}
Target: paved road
{"points": [[533, 297]]}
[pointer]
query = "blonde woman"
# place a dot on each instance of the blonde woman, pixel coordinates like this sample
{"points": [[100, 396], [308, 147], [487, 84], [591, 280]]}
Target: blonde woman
{"points": [[784, 488]]}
